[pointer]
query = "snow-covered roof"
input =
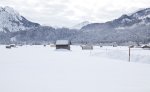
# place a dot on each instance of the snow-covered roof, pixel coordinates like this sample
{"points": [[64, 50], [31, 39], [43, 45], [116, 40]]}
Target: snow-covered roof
{"points": [[62, 42], [145, 46]]}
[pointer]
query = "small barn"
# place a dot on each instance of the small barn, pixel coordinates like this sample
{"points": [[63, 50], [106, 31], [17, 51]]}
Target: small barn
{"points": [[146, 47], [101, 46], [63, 44], [87, 47], [115, 45], [12, 45], [8, 47]]}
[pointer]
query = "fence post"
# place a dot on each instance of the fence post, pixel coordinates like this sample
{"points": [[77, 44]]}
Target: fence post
{"points": [[129, 54]]}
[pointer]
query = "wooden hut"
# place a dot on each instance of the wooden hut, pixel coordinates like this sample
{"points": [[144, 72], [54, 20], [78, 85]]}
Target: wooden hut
{"points": [[101, 46], [87, 47], [146, 47], [12, 45], [8, 47], [115, 45], [63, 44]]}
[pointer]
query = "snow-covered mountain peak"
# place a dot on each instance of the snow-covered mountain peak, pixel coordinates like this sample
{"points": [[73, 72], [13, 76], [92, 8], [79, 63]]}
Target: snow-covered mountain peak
{"points": [[10, 12], [11, 20]]}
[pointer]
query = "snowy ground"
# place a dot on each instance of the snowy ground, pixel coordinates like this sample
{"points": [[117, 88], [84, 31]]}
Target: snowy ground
{"points": [[42, 69]]}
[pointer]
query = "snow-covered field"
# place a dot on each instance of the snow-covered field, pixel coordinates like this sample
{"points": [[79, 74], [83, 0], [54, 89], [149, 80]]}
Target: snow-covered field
{"points": [[43, 69]]}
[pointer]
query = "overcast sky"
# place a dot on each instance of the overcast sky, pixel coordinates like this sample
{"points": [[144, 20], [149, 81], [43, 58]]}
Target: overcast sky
{"points": [[70, 12]]}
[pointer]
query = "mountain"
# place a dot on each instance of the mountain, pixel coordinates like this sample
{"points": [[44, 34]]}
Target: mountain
{"points": [[141, 17], [79, 26], [134, 27], [12, 21]]}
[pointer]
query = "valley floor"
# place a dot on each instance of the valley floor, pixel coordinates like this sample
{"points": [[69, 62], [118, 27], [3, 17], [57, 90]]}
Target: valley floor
{"points": [[43, 69]]}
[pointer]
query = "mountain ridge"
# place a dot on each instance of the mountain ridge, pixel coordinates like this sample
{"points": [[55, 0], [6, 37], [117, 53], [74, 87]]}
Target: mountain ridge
{"points": [[128, 20], [14, 28]]}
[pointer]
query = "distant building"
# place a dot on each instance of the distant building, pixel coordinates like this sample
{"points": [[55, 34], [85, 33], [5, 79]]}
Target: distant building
{"points": [[63, 44], [8, 47], [114, 44], [146, 47], [12, 45], [87, 47]]}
